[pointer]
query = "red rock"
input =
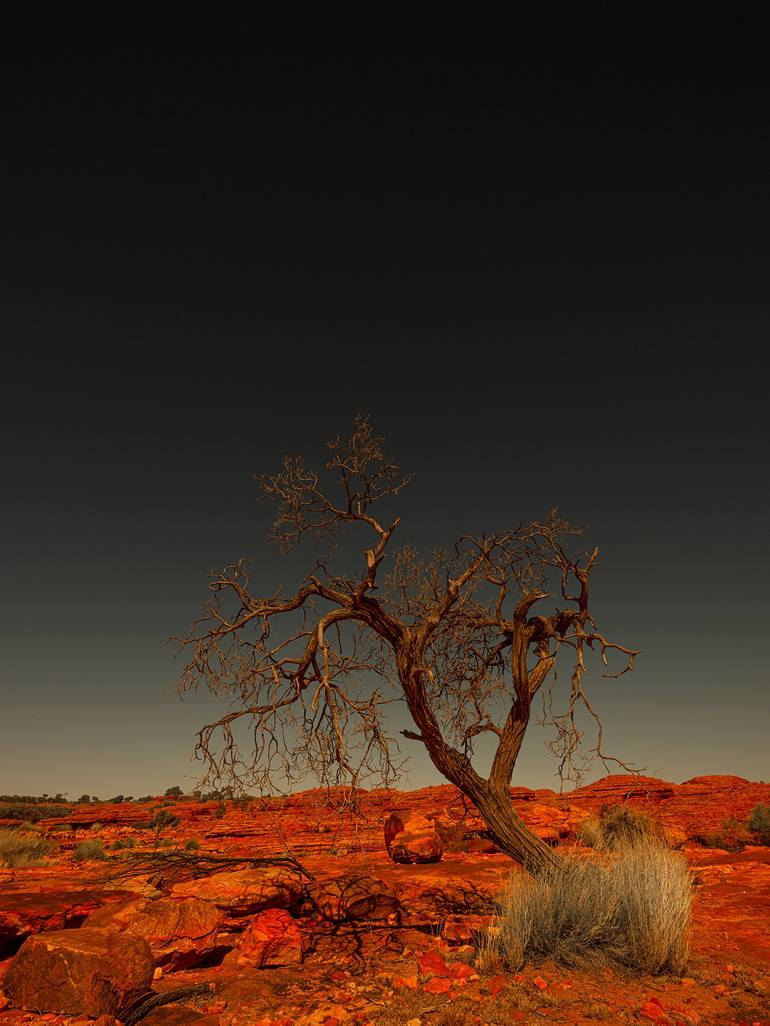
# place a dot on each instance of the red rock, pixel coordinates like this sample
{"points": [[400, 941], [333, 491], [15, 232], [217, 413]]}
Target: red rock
{"points": [[654, 1011], [272, 938], [23, 913], [462, 929], [461, 971], [86, 970], [619, 787], [181, 932], [244, 892], [540, 983], [497, 984], [412, 838], [405, 982], [437, 986], [432, 964], [352, 897]]}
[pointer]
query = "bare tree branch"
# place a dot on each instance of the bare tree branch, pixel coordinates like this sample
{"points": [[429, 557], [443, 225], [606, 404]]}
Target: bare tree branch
{"points": [[465, 639]]}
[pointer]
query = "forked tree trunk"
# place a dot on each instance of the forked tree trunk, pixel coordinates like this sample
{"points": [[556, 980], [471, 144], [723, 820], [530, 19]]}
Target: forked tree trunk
{"points": [[512, 835]]}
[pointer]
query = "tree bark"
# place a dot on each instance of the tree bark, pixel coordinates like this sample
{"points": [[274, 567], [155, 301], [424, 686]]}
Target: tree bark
{"points": [[511, 834]]}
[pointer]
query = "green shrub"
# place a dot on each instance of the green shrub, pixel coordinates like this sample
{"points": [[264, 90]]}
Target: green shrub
{"points": [[731, 836], [95, 828], [633, 912], [30, 812], [18, 851], [123, 842], [87, 851], [163, 819], [173, 792], [759, 823], [617, 828], [191, 845], [165, 842]]}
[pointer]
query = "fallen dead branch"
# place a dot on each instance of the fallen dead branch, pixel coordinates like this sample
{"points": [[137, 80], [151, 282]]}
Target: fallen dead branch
{"points": [[177, 865], [149, 1001]]}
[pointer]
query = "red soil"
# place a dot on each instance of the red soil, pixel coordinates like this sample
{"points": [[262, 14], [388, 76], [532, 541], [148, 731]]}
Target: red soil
{"points": [[391, 939]]}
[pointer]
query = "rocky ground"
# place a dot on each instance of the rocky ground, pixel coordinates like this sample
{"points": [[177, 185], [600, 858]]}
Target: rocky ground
{"points": [[358, 938]]}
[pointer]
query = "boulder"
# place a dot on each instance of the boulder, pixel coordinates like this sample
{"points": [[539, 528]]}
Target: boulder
{"points": [[271, 939], [245, 892], [350, 897], [411, 838], [23, 913], [181, 932], [89, 971]]}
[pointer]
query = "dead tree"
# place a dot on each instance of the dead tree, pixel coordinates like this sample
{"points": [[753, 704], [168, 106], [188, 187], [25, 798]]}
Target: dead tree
{"points": [[463, 639]]}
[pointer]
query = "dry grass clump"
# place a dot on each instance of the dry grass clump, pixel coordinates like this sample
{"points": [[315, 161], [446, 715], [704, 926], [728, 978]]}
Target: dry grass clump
{"points": [[618, 827], [88, 851], [18, 850], [632, 912]]}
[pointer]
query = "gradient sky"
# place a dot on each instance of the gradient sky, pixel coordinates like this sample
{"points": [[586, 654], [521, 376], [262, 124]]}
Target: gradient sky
{"points": [[543, 273]]}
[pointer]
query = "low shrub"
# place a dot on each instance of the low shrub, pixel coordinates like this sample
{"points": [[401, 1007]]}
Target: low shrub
{"points": [[732, 836], [88, 851], [18, 850], [163, 819], [30, 812], [191, 845], [759, 823], [95, 828], [632, 912], [617, 827], [123, 842]]}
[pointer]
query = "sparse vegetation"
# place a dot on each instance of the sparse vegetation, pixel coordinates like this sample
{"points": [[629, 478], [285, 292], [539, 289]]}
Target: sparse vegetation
{"points": [[18, 850], [759, 823], [30, 811], [192, 844], [618, 827], [124, 842], [88, 851], [631, 912], [732, 836], [95, 828]]}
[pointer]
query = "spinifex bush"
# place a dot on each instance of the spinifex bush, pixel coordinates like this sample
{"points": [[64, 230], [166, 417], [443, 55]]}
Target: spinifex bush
{"points": [[87, 851], [18, 850], [759, 823], [617, 827], [631, 912]]}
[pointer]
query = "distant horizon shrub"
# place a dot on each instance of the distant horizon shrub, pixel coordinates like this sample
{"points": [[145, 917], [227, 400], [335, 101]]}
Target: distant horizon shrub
{"points": [[88, 851], [18, 851], [30, 811], [632, 912]]}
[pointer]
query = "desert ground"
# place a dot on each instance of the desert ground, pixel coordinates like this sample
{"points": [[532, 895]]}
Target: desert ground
{"points": [[337, 933]]}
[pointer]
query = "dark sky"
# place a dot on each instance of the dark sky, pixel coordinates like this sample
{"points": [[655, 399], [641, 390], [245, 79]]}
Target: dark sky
{"points": [[540, 266]]}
